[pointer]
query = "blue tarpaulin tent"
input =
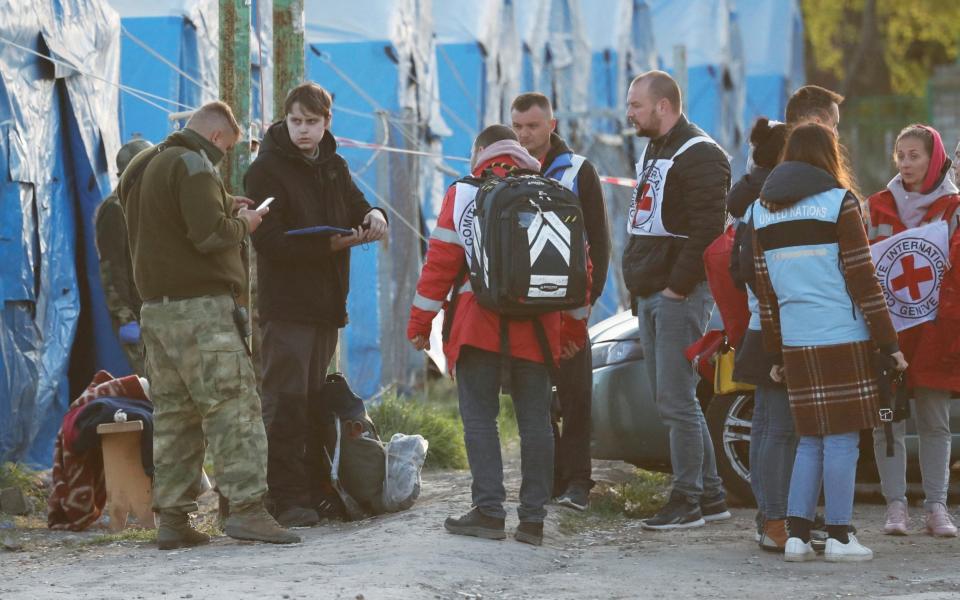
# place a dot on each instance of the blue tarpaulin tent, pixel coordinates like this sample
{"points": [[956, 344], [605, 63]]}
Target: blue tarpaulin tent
{"points": [[478, 69], [379, 62], [621, 41], [709, 32], [58, 134], [774, 55], [169, 59]]}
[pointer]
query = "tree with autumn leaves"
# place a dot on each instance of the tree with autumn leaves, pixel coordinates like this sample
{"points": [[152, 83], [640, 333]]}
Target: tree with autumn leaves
{"points": [[871, 47]]}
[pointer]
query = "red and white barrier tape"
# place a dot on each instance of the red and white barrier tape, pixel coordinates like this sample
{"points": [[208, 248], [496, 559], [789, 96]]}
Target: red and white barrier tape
{"points": [[349, 143]]}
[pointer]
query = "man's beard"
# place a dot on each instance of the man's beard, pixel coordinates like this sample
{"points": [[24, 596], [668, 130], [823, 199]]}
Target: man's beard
{"points": [[650, 129]]}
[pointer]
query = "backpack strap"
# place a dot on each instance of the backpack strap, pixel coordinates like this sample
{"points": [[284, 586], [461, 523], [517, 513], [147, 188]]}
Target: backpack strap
{"points": [[542, 341], [504, 352], [541, 334], [454, 301]]}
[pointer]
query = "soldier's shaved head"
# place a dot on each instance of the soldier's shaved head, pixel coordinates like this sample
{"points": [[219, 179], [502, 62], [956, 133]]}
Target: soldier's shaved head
{"points": [[215, 121]]}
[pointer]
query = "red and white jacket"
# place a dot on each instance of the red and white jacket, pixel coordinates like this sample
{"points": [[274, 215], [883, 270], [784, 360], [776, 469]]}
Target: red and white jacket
{"points": [[933, 348], [472, 324]]}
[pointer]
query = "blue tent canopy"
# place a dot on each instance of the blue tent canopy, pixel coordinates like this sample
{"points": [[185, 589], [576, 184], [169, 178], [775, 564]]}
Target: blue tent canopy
{"points": [[621, 43], [708, 31], [57, 130], [774, 56], [378, 61]]}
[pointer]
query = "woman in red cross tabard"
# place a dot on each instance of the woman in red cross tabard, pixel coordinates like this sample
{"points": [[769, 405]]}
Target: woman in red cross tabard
{"points": [[922, 193]]}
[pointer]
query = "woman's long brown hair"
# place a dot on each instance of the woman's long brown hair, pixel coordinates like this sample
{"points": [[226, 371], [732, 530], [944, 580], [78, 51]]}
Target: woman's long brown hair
{"points": [[817, 145]]}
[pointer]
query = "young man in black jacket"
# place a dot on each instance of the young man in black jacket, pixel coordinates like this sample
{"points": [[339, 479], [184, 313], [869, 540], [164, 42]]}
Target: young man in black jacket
{"points": [[303, 280], [532, 119], [677, 211]]}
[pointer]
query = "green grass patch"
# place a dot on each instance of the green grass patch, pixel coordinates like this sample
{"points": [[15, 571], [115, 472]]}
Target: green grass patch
{"points": [[435, 414], [127, 535], [443, 431], [19, 476], [638, 497]]}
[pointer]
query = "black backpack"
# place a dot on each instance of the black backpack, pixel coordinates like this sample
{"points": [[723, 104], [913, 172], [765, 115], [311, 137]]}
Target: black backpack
{"points": [[529, 246]]}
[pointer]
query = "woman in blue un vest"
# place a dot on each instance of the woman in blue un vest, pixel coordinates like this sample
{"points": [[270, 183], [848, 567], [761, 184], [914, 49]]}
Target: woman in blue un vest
{"points": [[824, 318]]}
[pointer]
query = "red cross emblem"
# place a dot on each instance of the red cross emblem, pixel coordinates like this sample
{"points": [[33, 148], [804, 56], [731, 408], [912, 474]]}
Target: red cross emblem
{"points": [[646, 199], [911, 277]]}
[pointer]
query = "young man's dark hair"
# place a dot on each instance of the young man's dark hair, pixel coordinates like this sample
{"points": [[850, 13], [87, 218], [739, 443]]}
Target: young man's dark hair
{"points": [[491, 134], [525, 102], [661, 86], [312, 98], [810, 101]]}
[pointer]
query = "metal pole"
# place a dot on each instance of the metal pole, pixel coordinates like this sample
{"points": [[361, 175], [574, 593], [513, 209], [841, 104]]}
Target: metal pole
{"points": [[680, 72], [235, 85], [288, 51]]}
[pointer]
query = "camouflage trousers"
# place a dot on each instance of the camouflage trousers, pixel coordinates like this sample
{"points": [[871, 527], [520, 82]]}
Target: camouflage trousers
{"points": [[204, 394], [135, 356]]}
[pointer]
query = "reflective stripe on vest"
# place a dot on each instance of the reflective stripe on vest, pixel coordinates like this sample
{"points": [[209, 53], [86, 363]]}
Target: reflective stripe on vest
{"points": [[815, 307], [424, 303], [565, 168], [445, 235]]}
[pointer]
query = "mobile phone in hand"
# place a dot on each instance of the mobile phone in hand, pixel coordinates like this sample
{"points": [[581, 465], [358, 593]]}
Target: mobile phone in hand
{"points": [[265, 204]]}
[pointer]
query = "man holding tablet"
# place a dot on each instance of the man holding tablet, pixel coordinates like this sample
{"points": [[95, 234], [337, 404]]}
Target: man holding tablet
{"points": [[303, 280]]}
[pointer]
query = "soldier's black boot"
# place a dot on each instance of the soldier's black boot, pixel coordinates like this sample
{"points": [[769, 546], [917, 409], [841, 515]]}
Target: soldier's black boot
{"points": [[253, 522], [175, 531]]}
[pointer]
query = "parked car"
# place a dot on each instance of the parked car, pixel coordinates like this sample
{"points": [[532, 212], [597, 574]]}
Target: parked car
{"points": [[627, 426]]}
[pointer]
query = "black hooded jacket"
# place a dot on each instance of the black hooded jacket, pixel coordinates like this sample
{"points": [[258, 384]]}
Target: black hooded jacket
{"points": [[743, 193], [298, 277], [594, 214], [693, 205]]}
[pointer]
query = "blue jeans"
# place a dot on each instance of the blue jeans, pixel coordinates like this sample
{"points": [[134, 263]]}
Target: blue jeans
{"points": [[773, 447], [667, 327], [832, 459], [478, 386]]}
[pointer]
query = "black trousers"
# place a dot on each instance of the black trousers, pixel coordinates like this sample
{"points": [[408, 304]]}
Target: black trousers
{"points": [[295, 357], [572, 433]]}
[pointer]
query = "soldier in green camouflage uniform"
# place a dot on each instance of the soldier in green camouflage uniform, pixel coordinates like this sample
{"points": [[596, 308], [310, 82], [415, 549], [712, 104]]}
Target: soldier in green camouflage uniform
{"points": [[116, 270], [185, 236]]}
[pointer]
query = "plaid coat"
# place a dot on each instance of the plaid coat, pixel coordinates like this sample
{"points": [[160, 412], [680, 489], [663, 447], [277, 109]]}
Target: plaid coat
{"points": [[833, 389]]}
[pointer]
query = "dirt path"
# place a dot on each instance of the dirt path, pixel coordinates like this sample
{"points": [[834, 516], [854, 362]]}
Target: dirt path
{"points": [[409, 555]]}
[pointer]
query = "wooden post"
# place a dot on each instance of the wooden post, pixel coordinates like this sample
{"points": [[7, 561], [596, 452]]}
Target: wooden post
{"points": [[288, 51], [129, 490]]}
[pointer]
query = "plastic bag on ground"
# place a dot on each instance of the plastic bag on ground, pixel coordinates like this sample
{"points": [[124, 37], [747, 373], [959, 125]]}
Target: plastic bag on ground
{"points": [[405, 456]]}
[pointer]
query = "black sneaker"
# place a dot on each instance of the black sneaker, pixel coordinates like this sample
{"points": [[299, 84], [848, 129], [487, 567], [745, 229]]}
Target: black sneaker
{"points": [[576, 497], [529, 532], [677, 513], [477, 524], [714, 509]]}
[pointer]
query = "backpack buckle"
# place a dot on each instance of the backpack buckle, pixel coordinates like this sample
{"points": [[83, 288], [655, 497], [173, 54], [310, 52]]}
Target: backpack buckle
{"points": [[886, 415]]}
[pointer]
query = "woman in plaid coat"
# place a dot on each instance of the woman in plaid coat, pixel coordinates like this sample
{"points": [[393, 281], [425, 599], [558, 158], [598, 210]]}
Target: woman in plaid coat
{"points": [[823, 316]]}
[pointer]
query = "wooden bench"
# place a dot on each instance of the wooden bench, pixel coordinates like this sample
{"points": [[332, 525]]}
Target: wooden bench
{"points": [[129, 490]]}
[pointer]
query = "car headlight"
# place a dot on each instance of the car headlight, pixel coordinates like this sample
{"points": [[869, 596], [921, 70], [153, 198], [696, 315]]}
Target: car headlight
{"points": [[611, 353]]}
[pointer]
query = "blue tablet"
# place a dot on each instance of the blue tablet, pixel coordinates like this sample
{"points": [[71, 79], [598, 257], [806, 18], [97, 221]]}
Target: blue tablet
{"points": [[321, 230]]}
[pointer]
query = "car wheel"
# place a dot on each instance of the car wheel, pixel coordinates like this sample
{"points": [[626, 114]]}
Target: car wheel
{"points": [[728, 419]]}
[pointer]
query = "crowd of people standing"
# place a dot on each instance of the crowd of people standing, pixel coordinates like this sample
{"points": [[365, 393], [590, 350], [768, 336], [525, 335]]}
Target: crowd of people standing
{"points": [[171, 243]]}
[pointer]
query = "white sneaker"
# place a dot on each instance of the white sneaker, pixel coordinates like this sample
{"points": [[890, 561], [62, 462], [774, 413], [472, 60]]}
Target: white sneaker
{"points": [[852, 551], [797, 550]]}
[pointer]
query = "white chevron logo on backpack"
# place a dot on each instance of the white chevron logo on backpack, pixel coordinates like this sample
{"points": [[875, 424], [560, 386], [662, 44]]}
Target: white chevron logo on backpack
{"points": [[548, 228]]}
